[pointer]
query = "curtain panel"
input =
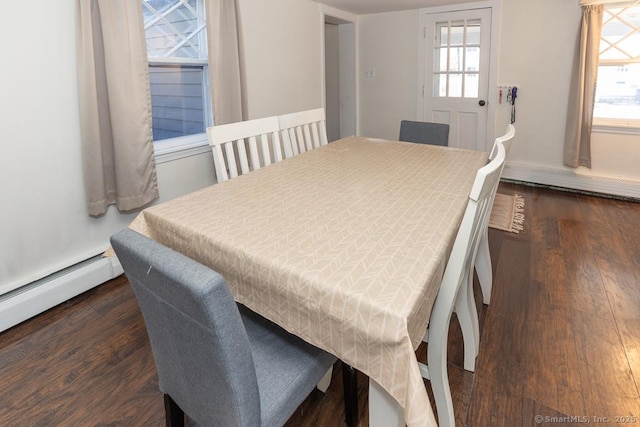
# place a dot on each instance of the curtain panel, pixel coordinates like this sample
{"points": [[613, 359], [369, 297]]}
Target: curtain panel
{"points": [[577, 146], [226, 65], [115, 106]]}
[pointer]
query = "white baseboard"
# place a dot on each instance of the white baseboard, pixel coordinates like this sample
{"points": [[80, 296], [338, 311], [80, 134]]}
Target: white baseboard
{"points": [[41, 295], [568, 178]]}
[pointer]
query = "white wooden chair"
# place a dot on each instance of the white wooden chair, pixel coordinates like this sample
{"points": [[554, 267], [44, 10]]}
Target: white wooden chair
{"points": [[482, 265], [483, 260], [454, 289], [246, 143], [303, 131]]}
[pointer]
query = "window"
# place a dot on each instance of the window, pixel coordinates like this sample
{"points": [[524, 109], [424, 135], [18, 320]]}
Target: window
{"points": [[618, 89], [177, 49], [457, 59]]}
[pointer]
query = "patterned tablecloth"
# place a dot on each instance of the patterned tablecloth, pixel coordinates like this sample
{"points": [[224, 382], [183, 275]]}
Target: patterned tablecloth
{"points": [[344, 246]]}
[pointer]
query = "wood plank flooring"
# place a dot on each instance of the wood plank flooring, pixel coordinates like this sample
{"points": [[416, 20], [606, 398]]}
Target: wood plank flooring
{"points": [[561, 337]]}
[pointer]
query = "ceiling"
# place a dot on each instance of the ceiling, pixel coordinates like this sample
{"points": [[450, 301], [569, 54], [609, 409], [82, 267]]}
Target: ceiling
{"points": [[361, 7]]}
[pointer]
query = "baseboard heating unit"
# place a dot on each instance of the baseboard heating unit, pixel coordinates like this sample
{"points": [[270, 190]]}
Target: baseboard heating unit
{"points": [[36, 297], [582, 180]]}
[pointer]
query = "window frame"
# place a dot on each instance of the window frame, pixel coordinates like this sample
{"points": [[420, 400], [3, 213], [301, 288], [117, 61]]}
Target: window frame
{"points": [[187, 145], [617, 125]]}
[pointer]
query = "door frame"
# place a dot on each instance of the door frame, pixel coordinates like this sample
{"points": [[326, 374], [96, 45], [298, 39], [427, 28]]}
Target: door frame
{"points": [[333, 15], [494, 6]]}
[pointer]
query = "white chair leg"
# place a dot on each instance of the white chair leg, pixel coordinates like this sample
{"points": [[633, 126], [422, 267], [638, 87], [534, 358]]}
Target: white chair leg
{"points": [[483, 267], [468, 317], [325, 382], [437, 364]]}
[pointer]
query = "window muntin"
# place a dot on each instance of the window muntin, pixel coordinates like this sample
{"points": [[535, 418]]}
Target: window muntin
{"points": [[177, 50], [618, 87]]}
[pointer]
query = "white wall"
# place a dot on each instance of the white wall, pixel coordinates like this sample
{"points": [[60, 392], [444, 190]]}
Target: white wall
{"points": [[615, 155], [535, 53], [388, 45], [536, 40], [44, 226], [282, 40], [43, 222]]}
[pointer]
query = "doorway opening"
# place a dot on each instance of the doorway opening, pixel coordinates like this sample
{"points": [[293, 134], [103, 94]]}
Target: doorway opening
{"points": [[340, 77]]}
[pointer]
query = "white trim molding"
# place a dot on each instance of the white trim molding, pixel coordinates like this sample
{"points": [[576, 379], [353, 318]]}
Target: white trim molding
{"points": [[172, 149], [579, 179], [338, 16], [622, 129]]}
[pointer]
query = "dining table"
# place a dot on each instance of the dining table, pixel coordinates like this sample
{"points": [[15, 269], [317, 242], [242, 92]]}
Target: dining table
{"points": [[344, 246]]}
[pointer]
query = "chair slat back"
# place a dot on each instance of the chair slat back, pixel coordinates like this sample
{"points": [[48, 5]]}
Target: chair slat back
{"points": [[303, 131], [483, 193], [241, 147]]}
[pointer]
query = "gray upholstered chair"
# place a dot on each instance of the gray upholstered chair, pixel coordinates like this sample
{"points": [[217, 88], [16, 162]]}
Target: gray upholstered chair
{"points": [[424, 132], [217, 362]]}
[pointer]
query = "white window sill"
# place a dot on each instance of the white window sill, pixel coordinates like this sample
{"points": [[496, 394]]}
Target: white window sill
{"points": [[172, 149], [626, 128]]}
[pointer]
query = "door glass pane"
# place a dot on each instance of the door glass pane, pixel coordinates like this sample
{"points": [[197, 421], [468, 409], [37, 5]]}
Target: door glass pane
{"points": [[440, 62], [457, 33], [442, 30], [455, 85], [456, 59], [473, 32], [471, 84], [472, 59], [440, 85]]}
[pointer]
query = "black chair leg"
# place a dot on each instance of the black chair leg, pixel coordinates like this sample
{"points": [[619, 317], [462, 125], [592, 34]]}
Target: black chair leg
{"points": [[350, 387], [174, 416]]}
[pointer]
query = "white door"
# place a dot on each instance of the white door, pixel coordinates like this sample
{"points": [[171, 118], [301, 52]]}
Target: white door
{"points": [[456, 74]]}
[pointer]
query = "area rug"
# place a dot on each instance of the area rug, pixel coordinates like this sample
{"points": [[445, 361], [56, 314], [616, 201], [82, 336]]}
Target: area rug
{"points": [[507, 213]]}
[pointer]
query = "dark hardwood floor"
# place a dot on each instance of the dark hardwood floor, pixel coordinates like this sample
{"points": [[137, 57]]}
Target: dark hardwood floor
{"points": [[560, 339]]}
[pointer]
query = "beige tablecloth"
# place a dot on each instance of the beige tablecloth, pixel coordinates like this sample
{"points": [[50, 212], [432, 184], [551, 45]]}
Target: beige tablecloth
{"points": [[344, 246]]}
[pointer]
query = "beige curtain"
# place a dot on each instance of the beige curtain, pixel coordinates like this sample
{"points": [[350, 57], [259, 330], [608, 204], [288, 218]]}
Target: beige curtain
{"points": [[577, 146], [226, 66], [115, 105]]}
